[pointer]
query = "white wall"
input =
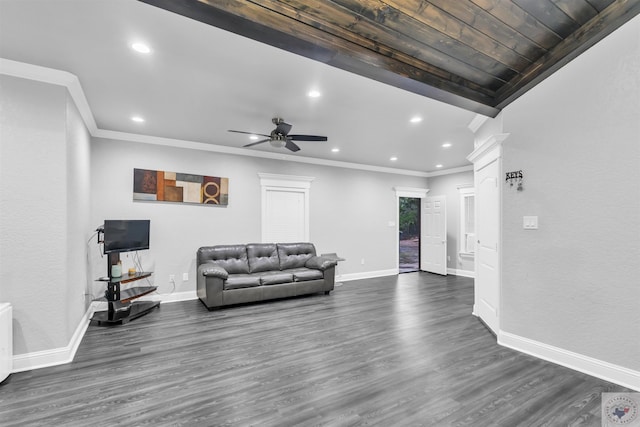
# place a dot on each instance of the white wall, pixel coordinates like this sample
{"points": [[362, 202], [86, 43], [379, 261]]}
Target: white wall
{"points": [[44, 194], [350, 209], [573, 283], [447, 185]]}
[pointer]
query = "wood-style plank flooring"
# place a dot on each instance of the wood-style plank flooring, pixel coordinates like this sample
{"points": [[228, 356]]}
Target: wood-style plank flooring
{"points": [[393, 351]]}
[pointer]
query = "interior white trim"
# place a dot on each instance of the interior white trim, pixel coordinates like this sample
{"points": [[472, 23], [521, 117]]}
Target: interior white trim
{"points": [[476, 122], [64, 355], [463, 273], [72, 83], [578, 362], [55, 356], [413, 192], [450, 171], [486, 146], [366, 275], [284, 183], [169, 298]]}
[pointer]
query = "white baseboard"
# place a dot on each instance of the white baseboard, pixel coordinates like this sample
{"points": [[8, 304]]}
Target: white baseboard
{"points": [[588, 365], [366, 275], [55, 356], [63, 355], [463, 273], [173, 297]]}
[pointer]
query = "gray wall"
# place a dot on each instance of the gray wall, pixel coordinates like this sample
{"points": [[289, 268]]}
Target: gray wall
{"points": [[574, 282], [447, 185], [349, 209], [43, 214]]}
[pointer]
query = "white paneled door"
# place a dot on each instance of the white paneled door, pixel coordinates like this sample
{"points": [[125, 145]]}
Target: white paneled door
{"points": [[286, 216], [433, 241], [487, 282]]}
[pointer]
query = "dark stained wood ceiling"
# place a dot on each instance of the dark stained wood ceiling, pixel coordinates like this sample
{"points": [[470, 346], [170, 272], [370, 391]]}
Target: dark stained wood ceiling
{"points": [[476, 54]]}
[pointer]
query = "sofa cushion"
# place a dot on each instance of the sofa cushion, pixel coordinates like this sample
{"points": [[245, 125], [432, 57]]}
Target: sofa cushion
{"points": [[295, 255], [304, 274], [275, 278], [262, 257], [232, 258], [239, 281]]}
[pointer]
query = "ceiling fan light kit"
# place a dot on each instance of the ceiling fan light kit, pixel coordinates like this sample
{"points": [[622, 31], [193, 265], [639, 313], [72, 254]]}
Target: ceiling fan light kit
{"points": [[279, 137]]}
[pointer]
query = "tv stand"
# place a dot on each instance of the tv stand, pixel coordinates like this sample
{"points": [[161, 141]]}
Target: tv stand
{"points": [[121, 307]]}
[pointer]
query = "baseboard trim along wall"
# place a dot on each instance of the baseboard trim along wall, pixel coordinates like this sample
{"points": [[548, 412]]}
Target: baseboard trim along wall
{"points": [[63, 355], [366, 275], [55, 356], [578, 362], [463, 273]]}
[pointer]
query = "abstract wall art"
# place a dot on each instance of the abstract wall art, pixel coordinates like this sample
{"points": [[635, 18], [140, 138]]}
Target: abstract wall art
{"points": [[161, 186]]}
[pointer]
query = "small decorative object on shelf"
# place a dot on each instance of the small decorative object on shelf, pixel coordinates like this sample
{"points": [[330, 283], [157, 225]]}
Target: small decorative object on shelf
{"points": [[116, 269]]}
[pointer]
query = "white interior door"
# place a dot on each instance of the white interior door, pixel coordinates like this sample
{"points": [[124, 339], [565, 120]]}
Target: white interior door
{"points": [[285, 217], [433, 239], [487, 280]]}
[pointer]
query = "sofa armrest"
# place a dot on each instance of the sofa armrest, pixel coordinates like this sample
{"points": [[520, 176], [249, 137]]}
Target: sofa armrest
{"points": [[213, 271], [320, 263], [210, 284]]}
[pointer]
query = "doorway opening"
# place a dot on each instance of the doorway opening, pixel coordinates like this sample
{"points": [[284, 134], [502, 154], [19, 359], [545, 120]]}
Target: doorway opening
{"points": [[409, 228]]}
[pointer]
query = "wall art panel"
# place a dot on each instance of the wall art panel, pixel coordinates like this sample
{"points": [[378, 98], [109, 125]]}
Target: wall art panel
{"points": [[162, 186]]}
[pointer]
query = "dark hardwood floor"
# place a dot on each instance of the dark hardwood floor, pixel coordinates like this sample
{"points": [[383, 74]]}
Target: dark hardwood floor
{"points": [[392, 351]]}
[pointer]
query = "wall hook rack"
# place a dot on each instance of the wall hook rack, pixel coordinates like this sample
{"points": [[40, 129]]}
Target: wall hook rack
{"points": [[515, 178]]}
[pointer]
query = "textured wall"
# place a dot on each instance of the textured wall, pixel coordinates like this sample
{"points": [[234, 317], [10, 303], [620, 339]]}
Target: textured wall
{"points": [[33, 226], [349, 210], [447, 185], [574, 282], [78, 186]]}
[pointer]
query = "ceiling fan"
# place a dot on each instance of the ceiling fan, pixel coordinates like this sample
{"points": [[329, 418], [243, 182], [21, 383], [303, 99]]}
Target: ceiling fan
{"points": [[280, 137]]}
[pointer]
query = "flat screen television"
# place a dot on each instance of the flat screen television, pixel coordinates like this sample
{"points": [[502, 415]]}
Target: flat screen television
{"points": [[126, 235]]}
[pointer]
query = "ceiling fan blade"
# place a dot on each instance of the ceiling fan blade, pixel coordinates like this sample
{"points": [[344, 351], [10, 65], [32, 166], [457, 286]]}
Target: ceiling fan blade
{"points": [[308, 138], [247, 133], [292, 145], [283, 128], [257, 142]]}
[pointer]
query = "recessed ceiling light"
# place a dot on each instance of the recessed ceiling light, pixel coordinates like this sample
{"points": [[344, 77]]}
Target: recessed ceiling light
{"points": [[141, 48], [253, 137], [335, 150], [137, 119], [438, 166], [416, 119], [446, 145], [314, 94], [393, 159]]}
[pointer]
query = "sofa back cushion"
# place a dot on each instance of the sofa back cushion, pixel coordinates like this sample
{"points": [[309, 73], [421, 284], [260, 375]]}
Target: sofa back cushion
{"points": [[295, 255], [263, 257], [232, 258]]}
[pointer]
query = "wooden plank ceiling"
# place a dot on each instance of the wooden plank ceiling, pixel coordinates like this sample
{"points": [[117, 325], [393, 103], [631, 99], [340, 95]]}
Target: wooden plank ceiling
{"points": [[476, 54]]}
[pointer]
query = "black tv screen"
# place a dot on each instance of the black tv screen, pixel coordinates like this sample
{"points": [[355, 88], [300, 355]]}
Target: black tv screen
{"points": [[126, 235]]}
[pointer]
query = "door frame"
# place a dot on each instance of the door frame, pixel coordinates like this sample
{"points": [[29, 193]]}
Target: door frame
{"points": [[443, 199], [414, 193], [284, 183], [487, 152]]}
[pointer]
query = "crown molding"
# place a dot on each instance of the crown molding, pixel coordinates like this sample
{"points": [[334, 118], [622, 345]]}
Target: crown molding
{"points": [[450, 171], [489, 144], [72, 83], [477, 121]]}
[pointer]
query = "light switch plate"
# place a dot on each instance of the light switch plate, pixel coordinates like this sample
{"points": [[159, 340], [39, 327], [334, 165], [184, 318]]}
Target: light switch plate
{"points": [[530, 222]]}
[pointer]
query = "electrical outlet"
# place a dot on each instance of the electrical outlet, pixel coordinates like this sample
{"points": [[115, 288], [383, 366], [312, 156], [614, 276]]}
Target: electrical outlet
{"points": [[362, 261], [185, 277], [172, 278]]}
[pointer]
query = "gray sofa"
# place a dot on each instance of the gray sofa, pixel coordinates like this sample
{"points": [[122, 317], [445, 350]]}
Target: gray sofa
{"points": [[235, 274]]}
